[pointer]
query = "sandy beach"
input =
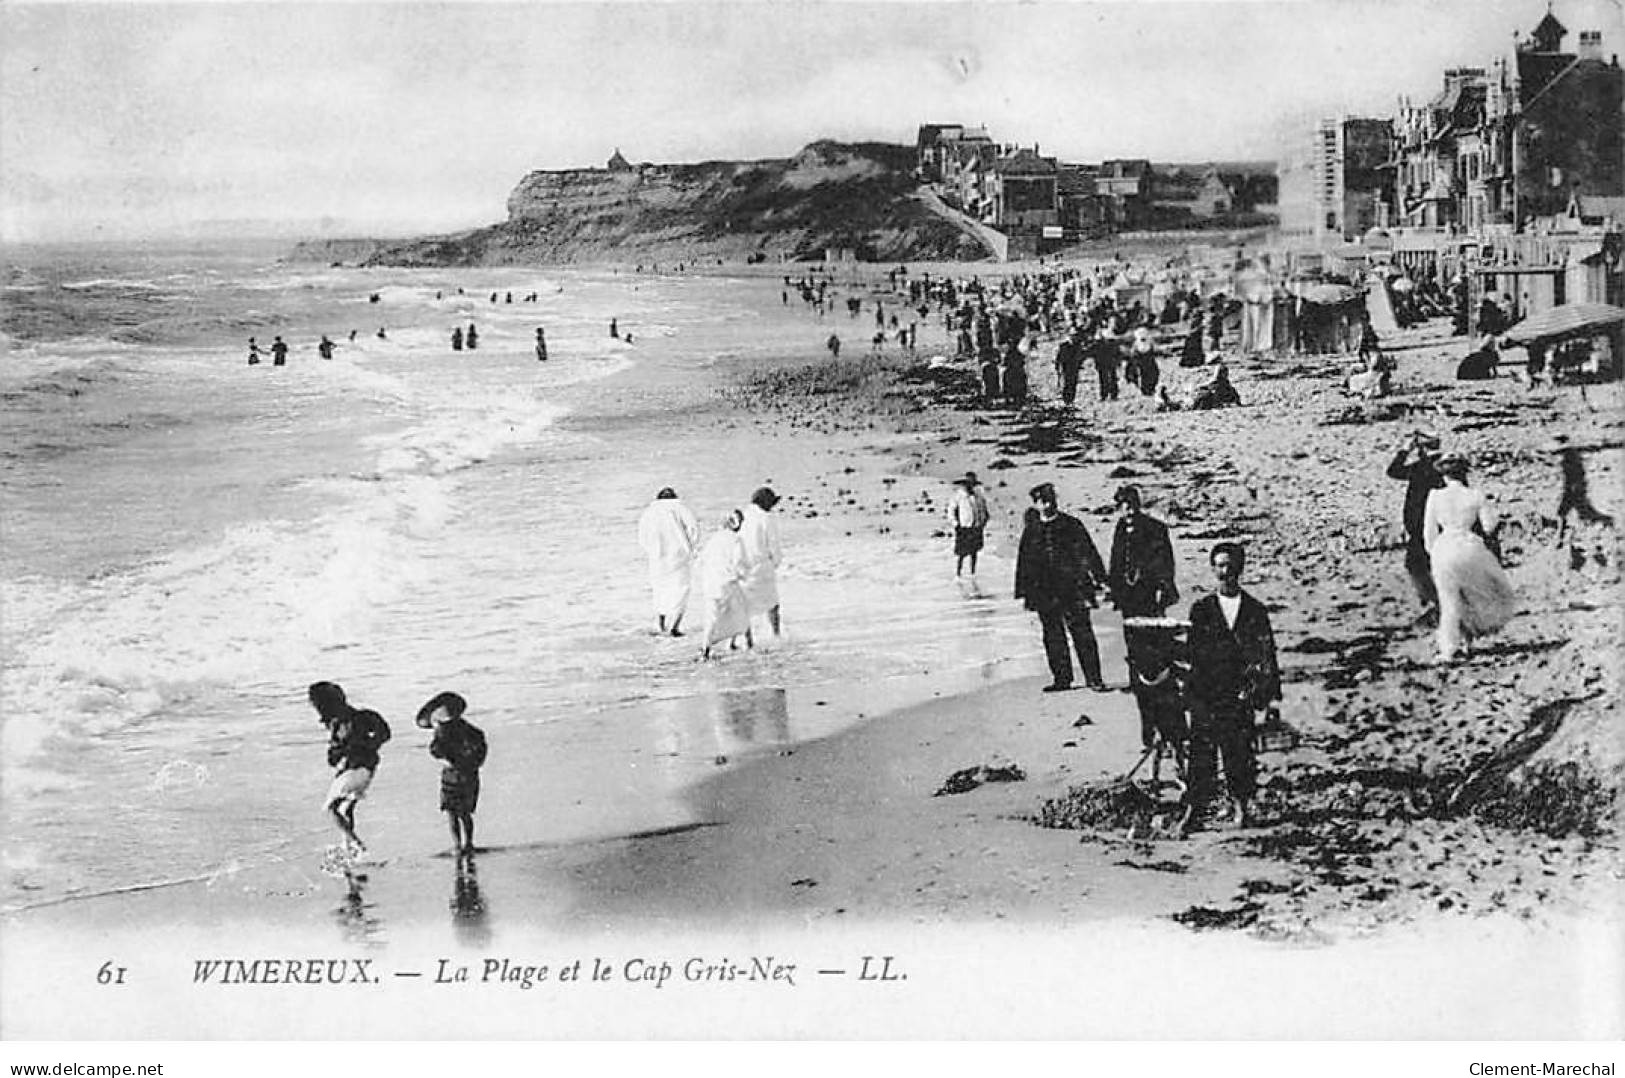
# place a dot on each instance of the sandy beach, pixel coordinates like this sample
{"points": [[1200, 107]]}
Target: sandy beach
{"points": [[749, 811]]}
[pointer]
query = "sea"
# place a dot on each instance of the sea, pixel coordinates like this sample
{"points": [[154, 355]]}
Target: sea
{"points": [[189, 541]]}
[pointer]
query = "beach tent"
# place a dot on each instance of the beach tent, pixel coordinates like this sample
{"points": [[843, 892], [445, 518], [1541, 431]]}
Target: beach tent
{"points": [[1257, 312], [1129, 292], [1329, 316]]}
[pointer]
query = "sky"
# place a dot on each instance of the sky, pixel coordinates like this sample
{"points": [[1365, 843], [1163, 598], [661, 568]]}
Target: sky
{"points": [[131, 119]]}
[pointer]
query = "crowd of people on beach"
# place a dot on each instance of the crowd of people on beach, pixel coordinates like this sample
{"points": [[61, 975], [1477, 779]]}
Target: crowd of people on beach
{"points": [[1206, 685], [461, 339]]}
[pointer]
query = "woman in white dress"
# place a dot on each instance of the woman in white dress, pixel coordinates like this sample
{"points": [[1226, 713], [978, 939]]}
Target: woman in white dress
{"points": [[722, 576], [763, 553], [1475, 597], [668, 533]]}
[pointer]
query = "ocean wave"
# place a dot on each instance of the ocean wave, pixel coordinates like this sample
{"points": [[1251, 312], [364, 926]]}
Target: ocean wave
{"points": [[112, 284], [265, 598], [45, 381], [190, 329], [87, 662]]}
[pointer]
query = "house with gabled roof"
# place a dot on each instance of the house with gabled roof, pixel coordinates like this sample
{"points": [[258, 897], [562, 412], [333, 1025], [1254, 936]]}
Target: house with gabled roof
{"points": [[1552, 127], [942, 148], [1024, 190]]}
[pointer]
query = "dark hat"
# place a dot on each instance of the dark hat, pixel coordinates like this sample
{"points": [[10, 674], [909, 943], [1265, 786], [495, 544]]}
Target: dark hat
{"points": [[764, 498], [1128, 494], [665, 492], [328, 700], [971, 480], [1043, 492], [455, 705]]}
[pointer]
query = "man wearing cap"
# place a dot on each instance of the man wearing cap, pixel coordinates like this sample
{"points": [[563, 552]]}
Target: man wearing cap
{"points": [[1058, 571], [1415, 464], [668, 534], [763, 553], [969, 514], [1140, 571]]}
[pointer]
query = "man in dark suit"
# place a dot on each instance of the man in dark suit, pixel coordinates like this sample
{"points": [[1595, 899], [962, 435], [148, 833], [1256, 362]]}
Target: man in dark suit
{"points": [[1233, 676], [1107, 354], [1141, 567], [1141, 575], [1068, 362], [1058, 572], [1414, 465]]}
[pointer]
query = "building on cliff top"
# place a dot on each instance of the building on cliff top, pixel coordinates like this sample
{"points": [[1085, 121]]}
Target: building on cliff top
{"points": [[1022, 192], [940, 147], [617, 163]]}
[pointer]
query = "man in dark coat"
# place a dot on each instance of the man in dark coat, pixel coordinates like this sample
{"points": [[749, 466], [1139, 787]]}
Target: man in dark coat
{"points": [[1068, 362], [1413, 465], [1140, 571], [1106, 353], [1233, 676], [1058, 571], [1013, 375]]}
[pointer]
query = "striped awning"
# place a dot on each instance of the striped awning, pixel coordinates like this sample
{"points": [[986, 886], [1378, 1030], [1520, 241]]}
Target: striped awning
{"points": [[1569, 320]]}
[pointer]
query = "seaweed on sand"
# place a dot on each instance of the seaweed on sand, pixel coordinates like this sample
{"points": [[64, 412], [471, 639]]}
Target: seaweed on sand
{"points": [[969, 778], [1110, 805]]}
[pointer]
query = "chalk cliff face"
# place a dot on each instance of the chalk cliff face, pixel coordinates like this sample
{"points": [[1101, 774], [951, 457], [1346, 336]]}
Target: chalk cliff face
{"points": [[860, 197]]}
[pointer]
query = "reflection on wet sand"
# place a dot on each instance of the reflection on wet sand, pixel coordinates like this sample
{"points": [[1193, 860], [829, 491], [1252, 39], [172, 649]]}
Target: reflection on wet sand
{"points": [[716, 727], [356, 919], [749, 718], [468, 911]]}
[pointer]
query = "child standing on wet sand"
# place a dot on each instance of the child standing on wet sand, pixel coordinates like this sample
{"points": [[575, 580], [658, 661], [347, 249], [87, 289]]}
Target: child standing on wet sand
{"points": [[462, 746]]}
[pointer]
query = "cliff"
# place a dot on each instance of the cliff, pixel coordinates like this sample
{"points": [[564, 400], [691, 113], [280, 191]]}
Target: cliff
{"points": [[352, 252], [831, 195]]}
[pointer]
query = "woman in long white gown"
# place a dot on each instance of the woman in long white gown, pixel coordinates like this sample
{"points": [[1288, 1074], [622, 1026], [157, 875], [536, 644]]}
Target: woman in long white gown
{"points": [[668, 533], [763, 553], [723, 569], [1475, 597]]}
